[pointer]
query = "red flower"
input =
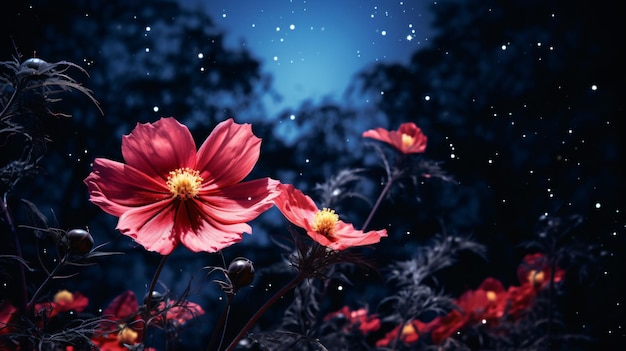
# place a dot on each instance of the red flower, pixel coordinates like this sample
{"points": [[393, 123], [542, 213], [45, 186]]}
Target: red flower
{"points": [[488, 302], [443, 327], [359, 318], [167, 193], [121, 324], [409, 333], [63, 301], [179, 312], [7, 311], [323, 225], [408, 139], [536, 271]]}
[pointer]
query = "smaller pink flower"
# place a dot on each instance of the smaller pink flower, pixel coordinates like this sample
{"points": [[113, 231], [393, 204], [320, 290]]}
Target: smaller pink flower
{"points": [[408, 139], [323, 225]]}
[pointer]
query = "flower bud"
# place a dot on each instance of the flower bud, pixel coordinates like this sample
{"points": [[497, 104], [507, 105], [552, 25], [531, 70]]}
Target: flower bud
{"points": [[80, 241], [34, 63], [240, 272], [156, 298]]}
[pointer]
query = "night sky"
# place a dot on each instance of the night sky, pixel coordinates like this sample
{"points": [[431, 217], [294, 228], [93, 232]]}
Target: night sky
{"points": [[314, 48]]}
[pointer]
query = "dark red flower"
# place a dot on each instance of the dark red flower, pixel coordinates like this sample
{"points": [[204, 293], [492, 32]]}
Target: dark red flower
{"points": [[179, 312], [359, 318], [536, 271], [323, 225], [167, 193], [409, 333], [445, 326], [121, 324], [7, 312], [63, 301], [408, 139]]}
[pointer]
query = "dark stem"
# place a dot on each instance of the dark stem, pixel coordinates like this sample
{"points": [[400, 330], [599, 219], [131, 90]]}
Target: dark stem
{"points": [[151, 289], [220, 326], [50, 276], [300, 277], [378, 201], [18, 249]]}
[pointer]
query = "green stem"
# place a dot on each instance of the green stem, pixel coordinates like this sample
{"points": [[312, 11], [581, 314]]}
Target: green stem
{"points": [[300, 277]]}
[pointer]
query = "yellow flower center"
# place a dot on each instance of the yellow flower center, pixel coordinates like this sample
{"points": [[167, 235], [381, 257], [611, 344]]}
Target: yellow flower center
{"points": [[535, 277], [407, 140], [491, 296], [184, 183], [64, 296], [407, 330], [127, 336], [324, 223]]}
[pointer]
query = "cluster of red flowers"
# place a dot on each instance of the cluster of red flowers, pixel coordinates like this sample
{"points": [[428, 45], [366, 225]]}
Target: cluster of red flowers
{"points": [[490, 304], [122, 321]]}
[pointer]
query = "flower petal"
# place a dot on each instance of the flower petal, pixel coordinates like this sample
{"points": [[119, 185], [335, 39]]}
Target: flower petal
{"points": [[378, 134], [298, 208], [347, 236], [228, 155], [117, 188], [160, 147], [152, 226], [241, 202], [200, 232]]}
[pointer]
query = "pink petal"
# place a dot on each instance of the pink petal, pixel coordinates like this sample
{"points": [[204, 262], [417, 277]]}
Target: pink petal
{"points": [[160, 147], [298, 208], [347, 236], [117, 188], [199, 232], [152, 226], [378, 134], [228, 155], [241, 202]]}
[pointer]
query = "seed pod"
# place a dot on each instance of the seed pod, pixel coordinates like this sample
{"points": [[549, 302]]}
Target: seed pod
{"points": [[240, 272], [156, 298], [80, 241], [34, 63]]}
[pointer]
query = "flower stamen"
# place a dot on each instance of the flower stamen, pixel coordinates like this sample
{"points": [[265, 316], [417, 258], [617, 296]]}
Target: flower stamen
{"points": [[184, 183], [407, 140], [64, 296], [324, 223]]}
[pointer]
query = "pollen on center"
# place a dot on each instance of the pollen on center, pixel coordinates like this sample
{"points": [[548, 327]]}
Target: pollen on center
{"points": [[324, 223], [407, 140], [184, 183]]}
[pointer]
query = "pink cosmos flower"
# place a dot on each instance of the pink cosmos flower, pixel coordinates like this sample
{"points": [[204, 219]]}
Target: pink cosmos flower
{"points": [[323, 225], [408, 139], [167, 193]]}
